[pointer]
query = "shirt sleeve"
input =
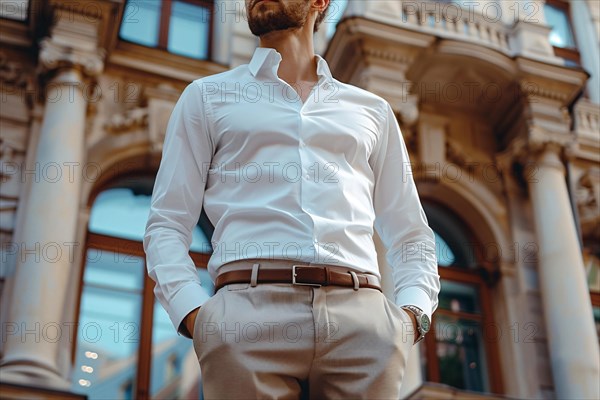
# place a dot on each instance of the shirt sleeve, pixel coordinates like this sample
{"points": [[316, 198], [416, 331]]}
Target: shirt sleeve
{"points": [[401, 223], [175, 207]]}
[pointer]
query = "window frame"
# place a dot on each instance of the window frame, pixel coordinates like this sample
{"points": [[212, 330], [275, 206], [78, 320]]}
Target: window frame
{"points": [[135, 248], [474, 278], [483, 277], [595, 298], [568, 53], [165, 21]]}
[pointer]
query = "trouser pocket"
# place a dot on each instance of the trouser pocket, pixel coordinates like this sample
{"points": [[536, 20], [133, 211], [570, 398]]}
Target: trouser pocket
{"points": [[205, 314]]}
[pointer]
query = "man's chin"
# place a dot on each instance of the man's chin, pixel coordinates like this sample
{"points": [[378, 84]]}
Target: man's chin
{"points": [[265, 32]]}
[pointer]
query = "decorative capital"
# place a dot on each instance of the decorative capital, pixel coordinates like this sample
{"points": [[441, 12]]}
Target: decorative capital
{"points": [[54, 56], [541, 141], [525, 156]]}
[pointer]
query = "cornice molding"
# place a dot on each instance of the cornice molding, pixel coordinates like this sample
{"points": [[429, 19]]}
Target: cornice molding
{"points": [[105, 15], [360, 42], [547, 81], [388, 54]]}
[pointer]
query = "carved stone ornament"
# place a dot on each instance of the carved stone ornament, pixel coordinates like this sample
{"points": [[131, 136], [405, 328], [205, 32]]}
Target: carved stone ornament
{"points": [[587, 191], [54, 56], [136, 118], [12, 73], [456, 154]]}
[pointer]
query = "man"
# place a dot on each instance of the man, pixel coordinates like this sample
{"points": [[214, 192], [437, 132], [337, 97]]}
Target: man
{"points": [[294, 169]]}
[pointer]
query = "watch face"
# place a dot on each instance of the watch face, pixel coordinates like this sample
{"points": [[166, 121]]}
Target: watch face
{"points": [[425, 323]]}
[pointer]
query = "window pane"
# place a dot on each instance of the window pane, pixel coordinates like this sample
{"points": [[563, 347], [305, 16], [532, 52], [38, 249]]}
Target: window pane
{"points": [[121, 271], [141, 20], [456, 248], [109, 320], [14, 9], [460, 353], [175, 372], [459, 297], [561, 35], [592, 266], [188, 30], [334, 15], [120, 213], [444, 253]]}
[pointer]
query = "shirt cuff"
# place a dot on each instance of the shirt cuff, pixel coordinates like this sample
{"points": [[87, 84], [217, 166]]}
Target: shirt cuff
{"points": [[415, 296], [187, 298]]}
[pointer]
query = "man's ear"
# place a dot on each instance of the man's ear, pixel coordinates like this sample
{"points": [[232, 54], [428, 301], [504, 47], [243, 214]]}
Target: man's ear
{"points": [[320, 5]]}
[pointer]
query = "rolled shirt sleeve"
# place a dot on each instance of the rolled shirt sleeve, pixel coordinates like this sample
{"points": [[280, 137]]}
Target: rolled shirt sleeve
{"points": [[176, 204], [401, 222]]}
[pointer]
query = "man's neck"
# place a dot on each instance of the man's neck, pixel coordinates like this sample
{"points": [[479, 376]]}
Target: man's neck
{"points": [[298, 64]]}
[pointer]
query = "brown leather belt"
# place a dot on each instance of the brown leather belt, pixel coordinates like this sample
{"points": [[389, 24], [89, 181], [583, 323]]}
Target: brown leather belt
{"points": [[301, 274]]}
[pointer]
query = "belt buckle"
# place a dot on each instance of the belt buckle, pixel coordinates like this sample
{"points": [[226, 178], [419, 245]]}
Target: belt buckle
{"points": [[294, 274]]}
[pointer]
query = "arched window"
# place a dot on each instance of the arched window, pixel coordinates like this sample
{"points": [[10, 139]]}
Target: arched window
{"points": [[460, 351], [126, 342]]}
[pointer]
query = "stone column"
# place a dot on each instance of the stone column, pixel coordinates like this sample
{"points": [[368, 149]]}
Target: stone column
{"points": [[572, 339], [49, 230]]}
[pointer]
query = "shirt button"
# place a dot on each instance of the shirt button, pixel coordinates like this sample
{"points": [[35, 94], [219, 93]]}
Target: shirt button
{"points": [[307, 176]]}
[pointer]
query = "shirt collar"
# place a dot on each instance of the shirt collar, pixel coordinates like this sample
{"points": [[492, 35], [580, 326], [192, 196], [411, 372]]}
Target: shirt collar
{"points": [[267, 57]]}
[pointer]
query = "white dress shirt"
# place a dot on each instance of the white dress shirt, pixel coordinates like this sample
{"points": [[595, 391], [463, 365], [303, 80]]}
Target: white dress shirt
{"points": [[279, 178]]}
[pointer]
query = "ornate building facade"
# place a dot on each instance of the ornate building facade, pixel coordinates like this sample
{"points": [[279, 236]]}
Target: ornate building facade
{"points": [[499, 104]]}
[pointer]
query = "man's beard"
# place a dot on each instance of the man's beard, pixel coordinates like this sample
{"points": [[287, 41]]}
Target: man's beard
{"points": [[292, 16]]}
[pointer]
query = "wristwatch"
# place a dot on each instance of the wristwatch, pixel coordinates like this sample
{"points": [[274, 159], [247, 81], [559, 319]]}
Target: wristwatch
{"points": [[423, 322]]}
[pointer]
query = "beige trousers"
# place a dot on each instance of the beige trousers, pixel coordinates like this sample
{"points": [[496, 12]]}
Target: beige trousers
{"points": [[284, 341]]}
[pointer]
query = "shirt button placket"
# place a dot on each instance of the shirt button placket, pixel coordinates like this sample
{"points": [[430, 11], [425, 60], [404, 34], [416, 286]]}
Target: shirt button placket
{"points": [[306, 176]]}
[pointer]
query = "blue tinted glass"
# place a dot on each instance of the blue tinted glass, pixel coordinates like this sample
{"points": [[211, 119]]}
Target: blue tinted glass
{"points": [[173, 356], [561, 35], [173, 359], [120, 213], [443, 252], [334, 15], [108, 333], [189, 30], [118, 270], [141, 20], [459, 297]]}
